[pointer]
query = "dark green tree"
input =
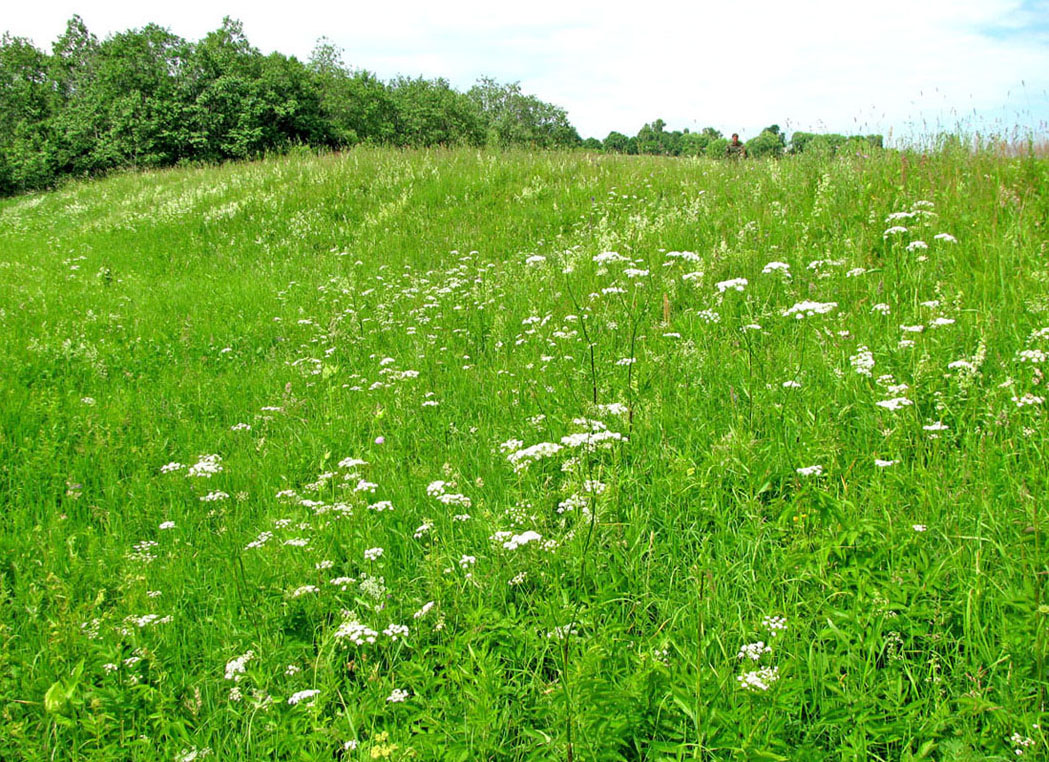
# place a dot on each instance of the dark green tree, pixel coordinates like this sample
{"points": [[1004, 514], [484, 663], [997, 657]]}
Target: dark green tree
{"points": [[356, 104], [26, 103], [769, 142], [431, 112], [514, 118], [617, 142], [136, 87], [79, 117]]}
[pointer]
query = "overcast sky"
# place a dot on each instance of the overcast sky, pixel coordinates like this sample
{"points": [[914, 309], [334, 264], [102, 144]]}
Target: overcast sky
{"points": [[909, 67]]}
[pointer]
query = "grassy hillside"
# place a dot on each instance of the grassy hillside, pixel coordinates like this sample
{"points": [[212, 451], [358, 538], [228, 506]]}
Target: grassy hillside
{"points": [[386, 455]]}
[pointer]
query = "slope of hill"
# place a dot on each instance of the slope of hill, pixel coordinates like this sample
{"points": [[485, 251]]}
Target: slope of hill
{"points": [[471, 455]]}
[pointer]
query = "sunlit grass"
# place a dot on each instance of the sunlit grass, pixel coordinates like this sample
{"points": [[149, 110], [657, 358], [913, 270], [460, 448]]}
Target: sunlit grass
{"points": [[715, 459]]}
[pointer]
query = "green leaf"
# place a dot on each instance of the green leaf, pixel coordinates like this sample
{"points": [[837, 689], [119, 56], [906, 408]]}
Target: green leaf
{"points": [[55, 698]]}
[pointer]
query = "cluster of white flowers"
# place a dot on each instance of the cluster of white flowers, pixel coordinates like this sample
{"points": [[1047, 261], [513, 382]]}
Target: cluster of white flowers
{"points": [[896, 216], [753, 651], [816, 470], [259, 541], [356, 633], [863, 361], [373, 554], [142, 551], [206, 466], [592, 440], [521, 459], [688, 256], [894, 404], [395, 631], [214, 497], [1020, 742], [572, 503], [809, 308], [607, 257], [759, 679], [517, 540], [235, 668], [774, 624], [191, 755], [1028, 399], [452, 498], [773, 267], [305, 695], [1033, 356], [397, 696], [737, 284], [145, 620]]}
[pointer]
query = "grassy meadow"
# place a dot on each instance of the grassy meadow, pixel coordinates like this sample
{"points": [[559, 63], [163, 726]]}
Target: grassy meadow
{"points": [[472, 455]]}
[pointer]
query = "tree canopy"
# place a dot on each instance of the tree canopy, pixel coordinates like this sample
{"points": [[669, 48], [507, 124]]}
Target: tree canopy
{"points": [[149, 98]]}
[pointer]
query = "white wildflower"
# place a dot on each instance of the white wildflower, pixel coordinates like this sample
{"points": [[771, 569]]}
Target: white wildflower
{"points": [[894, 404], [753, 651], [737, 284], [305, 695], [206, 466], [809, 308], [758, 680], [235, 668], [524, 538]]}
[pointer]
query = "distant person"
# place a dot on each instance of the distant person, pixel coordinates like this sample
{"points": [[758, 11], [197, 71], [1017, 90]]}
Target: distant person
{"points": [[735, 149]]}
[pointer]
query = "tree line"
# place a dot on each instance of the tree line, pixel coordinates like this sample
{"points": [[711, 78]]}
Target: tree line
{"points": [[771, 141], [149, 98]]}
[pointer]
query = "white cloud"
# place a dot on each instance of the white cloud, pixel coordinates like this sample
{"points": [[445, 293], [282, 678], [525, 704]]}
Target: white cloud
{"points": [[824, 65]]}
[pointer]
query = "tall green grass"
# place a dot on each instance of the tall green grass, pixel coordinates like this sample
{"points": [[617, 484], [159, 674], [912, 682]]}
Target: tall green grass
{"points": [[435, 314]]}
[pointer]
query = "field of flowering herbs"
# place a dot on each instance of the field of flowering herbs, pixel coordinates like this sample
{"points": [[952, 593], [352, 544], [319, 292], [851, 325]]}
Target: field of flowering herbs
{"points": [[465, 456]]}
